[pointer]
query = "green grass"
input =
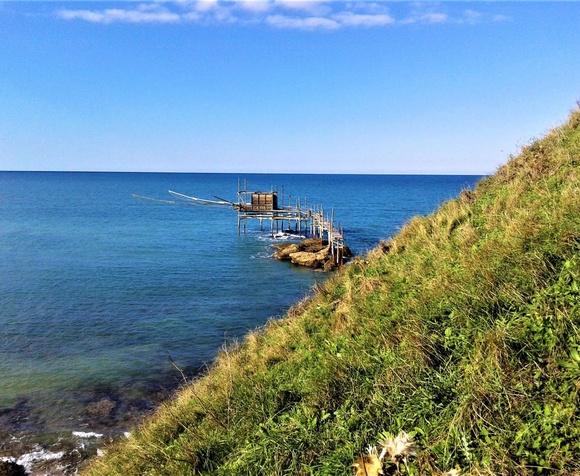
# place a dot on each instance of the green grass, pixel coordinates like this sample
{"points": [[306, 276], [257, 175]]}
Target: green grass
{"points": [[463, 330]]}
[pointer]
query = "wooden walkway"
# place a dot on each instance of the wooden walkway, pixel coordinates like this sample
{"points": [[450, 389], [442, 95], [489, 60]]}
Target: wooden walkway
{"points": [[298, 219], [323, 227]]}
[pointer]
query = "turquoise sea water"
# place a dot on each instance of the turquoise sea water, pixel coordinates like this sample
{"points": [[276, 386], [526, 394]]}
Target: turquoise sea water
{"points": [[97, 287]]}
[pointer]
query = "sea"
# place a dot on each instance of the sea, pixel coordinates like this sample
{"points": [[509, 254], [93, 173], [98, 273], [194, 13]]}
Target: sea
{"points": [[113, 292]]}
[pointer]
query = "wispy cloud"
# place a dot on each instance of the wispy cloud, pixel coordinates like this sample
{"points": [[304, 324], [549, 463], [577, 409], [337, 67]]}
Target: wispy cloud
{"points": [[357, 19], [145, 13], [428, 18], [287, 14]]}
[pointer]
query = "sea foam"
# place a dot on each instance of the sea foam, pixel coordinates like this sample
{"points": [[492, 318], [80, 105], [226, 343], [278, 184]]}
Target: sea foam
{"points": [[87, 434], [28, 460]]}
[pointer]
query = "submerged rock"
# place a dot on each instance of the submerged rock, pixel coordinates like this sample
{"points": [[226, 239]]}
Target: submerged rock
{"points": [[102, 412], [10, 468]]}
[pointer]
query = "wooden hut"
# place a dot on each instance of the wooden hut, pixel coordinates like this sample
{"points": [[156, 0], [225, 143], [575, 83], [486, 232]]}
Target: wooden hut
{"points": [[263, 201]]}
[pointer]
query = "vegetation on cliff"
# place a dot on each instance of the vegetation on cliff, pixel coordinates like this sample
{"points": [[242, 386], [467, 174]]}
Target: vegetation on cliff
{"points": [[463, 331]]}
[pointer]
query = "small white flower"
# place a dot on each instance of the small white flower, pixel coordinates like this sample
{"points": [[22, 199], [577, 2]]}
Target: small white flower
{"points": [[371, 450], [398, 449]]}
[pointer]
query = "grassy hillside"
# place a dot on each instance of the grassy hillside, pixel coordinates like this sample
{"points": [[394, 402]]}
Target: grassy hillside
{"points": [[463, 331]]}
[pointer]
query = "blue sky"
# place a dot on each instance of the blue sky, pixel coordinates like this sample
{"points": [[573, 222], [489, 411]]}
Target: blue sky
{"points": [[282, 86]]}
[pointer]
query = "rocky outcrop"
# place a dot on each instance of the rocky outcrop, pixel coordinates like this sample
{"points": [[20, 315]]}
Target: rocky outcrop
{"points": [[312, 253], [10, 468]]}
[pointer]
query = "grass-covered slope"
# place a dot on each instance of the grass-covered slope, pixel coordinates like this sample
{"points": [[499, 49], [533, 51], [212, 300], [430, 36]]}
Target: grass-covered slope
{"points": [[463, 330]]}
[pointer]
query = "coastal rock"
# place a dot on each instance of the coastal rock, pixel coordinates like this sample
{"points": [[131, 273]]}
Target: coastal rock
{"points": [[10, 468], [310, 259], [284, 251], [310, 245], [312, 253]]}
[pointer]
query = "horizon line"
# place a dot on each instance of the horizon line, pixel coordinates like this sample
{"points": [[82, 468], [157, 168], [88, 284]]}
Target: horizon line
{"points": [[241, 173]]}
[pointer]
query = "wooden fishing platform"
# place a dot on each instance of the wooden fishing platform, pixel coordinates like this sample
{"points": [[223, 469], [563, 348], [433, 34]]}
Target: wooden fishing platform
{"points": [[297, 218]]}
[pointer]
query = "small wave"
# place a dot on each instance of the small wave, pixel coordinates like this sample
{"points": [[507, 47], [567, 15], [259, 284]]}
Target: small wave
{"points": [[262, 255], [28, 460], [282, 236], [87, 434]]}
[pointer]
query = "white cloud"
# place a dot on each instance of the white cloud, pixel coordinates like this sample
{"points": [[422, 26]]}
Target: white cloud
{"points": [[87, 15], [257, 6], [434, 18], [288, 14], [203, 5], [369, 7], [307, 6], [282, 21], [145, 13], [353, 19]]}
